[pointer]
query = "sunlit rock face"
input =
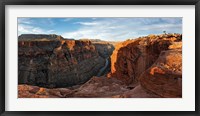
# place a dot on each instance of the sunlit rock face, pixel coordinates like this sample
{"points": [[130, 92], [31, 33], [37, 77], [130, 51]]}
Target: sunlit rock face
{"points": [[132, 57], [164, 77], [153, 62], [56, 63]]}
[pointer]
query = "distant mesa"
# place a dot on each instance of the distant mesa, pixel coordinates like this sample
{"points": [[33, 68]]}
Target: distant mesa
{"points": [[39, 37], [94, 40], [69, 38], [54, 37]]}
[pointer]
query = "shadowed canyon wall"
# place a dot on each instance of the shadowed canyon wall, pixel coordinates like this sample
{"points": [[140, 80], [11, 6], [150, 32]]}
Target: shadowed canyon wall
{"points": [[56, 62], [104, 49]]}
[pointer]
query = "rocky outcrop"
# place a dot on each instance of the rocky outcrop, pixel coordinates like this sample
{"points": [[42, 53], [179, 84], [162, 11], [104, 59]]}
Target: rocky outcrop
{"points": [[57, 63], [132, 57], [164, 77], [28, 91], [100, 87], [95, 87], [138, 92], [154, 62]]}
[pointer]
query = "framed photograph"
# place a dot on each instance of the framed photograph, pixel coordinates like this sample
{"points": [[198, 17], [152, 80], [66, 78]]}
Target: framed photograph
{"points": [[103, 55]]}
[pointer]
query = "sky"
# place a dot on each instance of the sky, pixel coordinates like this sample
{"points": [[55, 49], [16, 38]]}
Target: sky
{"points": [[109, 29]]}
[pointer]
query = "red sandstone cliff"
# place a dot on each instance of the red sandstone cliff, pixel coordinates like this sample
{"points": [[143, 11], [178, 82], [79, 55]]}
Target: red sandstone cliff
{"points": [[153, 62], [133, 57]]}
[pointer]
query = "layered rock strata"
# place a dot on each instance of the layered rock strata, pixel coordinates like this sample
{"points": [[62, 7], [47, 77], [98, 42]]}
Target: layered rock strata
{"points": [[57, 63]]}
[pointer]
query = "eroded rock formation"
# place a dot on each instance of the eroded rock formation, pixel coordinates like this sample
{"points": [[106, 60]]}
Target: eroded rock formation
{"points": [[132, 57], [164, 77], [57, 63]]}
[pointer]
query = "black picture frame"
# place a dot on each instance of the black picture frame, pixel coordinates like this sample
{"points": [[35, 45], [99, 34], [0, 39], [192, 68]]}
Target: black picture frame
{"points": [[99, 2]]}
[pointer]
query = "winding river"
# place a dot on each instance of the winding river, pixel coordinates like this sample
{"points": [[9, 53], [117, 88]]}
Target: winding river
{"points": [[101, 71]]}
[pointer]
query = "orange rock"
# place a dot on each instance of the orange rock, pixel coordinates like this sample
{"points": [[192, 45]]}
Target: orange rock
{"points": [[156, 70], [176, 45], [132, 57], [165, 82], [28, 91], [42, 91]]}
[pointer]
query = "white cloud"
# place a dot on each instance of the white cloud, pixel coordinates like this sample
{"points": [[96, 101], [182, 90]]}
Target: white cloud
{"points": [[27, 29], [26, 26], [50, 31], [160, 27], [102, 28], [24, 21], [123, 28], [88, 23]]}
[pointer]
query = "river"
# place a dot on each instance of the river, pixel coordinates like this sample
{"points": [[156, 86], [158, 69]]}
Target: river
{"points": [[101, 71]]}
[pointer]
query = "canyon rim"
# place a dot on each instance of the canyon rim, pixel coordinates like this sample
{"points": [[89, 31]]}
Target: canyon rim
{"points": [[100, 58]]}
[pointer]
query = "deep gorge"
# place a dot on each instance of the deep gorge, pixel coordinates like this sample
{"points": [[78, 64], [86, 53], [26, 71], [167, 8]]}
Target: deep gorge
{"points": [[57, 62]]}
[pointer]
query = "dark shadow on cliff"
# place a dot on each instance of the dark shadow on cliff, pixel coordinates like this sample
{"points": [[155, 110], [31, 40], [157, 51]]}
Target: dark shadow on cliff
{"points": [[61, 63]]}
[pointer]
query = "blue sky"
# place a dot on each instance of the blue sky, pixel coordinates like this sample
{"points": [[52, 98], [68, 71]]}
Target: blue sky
{"points": [[110, 29]]}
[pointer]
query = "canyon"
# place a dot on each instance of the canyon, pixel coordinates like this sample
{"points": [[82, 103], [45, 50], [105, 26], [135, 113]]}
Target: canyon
{"points": [[145, 67], [52, 61]]}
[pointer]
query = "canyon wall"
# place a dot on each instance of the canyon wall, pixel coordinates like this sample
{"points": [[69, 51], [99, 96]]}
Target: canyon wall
{"points": [[104, 49], [153, 62], [56, 62], [132, 57]]}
